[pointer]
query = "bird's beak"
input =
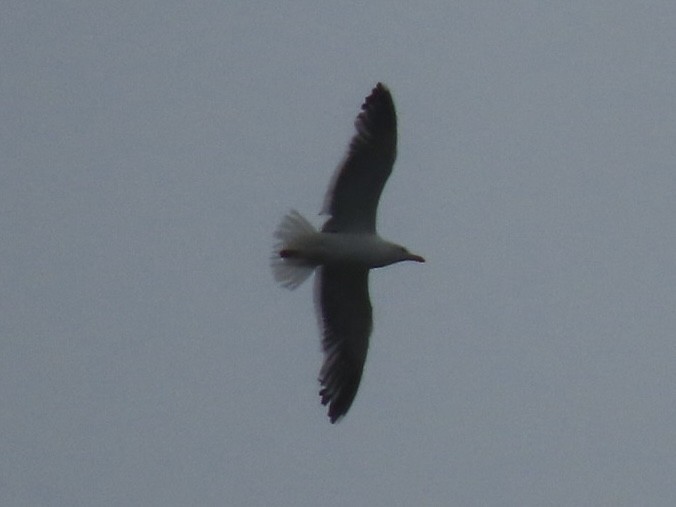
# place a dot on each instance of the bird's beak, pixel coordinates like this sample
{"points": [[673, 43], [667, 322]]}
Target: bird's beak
{"points": [[414, 257]]}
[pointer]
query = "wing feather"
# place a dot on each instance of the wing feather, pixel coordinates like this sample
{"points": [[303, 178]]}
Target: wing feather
{"points": [[353, 195], [345, 315]]}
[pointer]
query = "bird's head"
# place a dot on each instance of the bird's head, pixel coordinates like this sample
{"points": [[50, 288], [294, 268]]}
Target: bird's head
{"points": [[397, 253]]}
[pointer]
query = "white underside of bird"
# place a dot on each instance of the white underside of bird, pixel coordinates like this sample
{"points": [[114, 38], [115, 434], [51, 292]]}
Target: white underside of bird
{"points": [[302, 248]]}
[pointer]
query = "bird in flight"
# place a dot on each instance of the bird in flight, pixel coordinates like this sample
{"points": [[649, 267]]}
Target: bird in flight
{"points": [[345, 250]]}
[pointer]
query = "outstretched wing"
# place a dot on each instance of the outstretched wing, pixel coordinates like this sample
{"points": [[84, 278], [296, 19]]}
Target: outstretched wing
{"points": [[345, 316], [352, 198]]}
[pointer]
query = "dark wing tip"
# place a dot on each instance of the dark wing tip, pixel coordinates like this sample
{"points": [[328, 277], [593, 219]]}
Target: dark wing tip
{"points": [[340, 377], [378, 89], [339, 398], [378, 114]]}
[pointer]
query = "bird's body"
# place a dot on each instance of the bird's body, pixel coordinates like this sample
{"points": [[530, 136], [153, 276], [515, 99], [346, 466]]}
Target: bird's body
{"points": [[345, 250], [366, 250]]}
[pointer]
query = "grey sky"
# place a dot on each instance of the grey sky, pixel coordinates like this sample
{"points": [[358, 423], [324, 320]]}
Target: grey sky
{"points": [[148, 151]]}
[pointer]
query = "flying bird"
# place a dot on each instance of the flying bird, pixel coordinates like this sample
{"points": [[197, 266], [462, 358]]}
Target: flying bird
{"points": [[345, 250]]}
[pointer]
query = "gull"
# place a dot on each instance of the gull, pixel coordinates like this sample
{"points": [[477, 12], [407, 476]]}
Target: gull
{"points": [[345, 250]]}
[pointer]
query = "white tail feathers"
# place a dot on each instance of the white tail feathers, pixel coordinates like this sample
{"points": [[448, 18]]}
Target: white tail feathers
{"points": [[291, 271]]}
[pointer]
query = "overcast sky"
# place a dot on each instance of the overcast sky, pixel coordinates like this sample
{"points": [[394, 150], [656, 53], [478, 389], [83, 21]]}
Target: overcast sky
{"points": [[148, 150]]}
